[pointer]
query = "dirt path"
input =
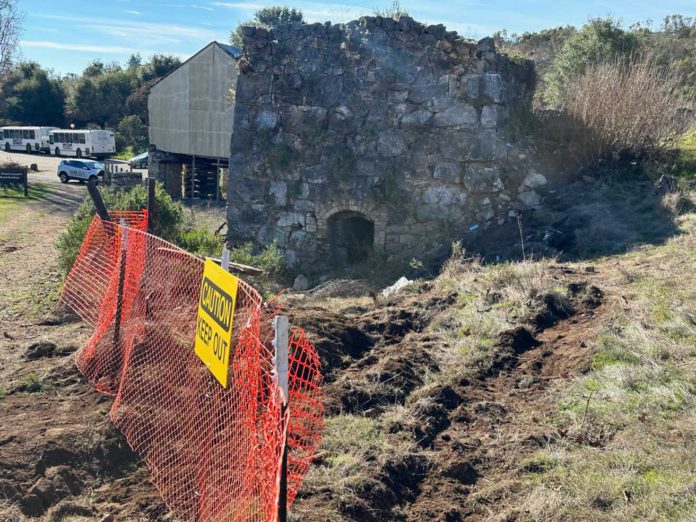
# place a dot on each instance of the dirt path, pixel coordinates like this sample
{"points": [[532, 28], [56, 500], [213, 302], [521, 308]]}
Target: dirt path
{"points": [[60, 457]]}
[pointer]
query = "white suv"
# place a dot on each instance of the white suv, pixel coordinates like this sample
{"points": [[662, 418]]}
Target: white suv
{"points": [[83, 170]]}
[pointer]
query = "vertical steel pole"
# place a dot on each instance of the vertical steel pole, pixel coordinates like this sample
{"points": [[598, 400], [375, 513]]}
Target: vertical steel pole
{"points": [[280, 343]]}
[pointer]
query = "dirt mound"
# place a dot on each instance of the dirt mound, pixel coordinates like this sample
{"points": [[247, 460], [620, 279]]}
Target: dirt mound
{"points": [[460, 434]]}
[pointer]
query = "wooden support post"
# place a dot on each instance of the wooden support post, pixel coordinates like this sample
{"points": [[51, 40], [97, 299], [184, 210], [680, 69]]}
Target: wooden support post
{"points": [[280, 343], [121, 282], [150, 204], [97, 200], [193, 177]]}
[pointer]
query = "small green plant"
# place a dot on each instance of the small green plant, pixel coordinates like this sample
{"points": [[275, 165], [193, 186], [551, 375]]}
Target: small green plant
{"points": [[395, 11], [167, 219], [32, 384], [270, 259], [201, 241]]}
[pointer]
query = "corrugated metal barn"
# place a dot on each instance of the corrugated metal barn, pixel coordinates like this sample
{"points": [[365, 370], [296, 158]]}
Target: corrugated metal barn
{"points": [[191, 113]]}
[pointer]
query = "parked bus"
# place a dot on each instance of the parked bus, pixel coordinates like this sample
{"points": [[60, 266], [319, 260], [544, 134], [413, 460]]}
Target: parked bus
{"points": [[27, 139], [82, 143]]}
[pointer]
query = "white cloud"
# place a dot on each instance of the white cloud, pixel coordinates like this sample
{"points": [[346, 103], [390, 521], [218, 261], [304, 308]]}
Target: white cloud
{"points": [[312, 11], [129, 11], [148, 33], [90, 48]]}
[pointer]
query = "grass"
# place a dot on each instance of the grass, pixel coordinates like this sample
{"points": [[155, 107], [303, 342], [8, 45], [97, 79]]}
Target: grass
{"points": [[685, 166], [640, 398]]}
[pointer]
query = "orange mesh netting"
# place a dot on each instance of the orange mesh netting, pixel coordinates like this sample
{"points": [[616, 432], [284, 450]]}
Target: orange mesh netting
{"points": [[214, 453]]}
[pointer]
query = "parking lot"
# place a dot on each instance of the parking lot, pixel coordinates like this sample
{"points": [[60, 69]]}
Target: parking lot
{"points": [[48, 166]]}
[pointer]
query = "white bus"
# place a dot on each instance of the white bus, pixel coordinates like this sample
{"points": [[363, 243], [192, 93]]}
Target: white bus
{"points": [[82, 143], [27, 139]]}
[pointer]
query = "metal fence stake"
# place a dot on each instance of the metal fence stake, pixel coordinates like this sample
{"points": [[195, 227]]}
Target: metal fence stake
{"points": [[280, 343]]}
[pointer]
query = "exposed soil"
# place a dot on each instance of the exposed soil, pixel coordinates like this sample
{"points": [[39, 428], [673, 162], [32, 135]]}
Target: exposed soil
{"points": [[61, 458], [472, 435]]}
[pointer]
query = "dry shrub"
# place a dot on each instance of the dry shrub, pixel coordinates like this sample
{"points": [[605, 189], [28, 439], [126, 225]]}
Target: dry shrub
{"points": [[625, 110]]}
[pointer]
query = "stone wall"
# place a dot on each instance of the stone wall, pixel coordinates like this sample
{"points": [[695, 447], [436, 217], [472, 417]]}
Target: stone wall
{"points": [[402, 124]]}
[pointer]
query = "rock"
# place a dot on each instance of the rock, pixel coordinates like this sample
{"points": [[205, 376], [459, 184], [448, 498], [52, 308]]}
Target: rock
{"points": [[534, 180], [266, 120], [482, 180], [489, 116], [493, 86], [402, 283], [444, 196], [448, 171], [279, 191], [64, 480], [32, 506], [462, 471], [40, 350], [391, 143], [455, 116], [9, 491], [289, 219], [301, 283], [44, 489], [529, 198], [416, 118]]}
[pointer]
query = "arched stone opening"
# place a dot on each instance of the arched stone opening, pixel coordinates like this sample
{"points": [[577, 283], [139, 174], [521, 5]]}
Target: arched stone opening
{"points": [[351, 238]]}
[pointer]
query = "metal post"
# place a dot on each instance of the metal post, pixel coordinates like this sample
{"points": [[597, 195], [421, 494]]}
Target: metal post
{"points": [[97, 200], [280, 343], [225, 259], [121, 281], [150, 204]]}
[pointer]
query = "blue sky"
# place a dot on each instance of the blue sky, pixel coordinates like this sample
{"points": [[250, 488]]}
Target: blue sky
{"points": [[65, 35]]}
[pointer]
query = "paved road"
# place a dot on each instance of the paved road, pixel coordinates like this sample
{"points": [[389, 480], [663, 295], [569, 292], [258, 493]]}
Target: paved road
{"points": [[48, 166]]}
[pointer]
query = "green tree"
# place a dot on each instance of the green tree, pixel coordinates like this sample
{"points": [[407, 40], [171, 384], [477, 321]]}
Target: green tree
{"points": [[133, 132], [600, 40], [159, 66], [135, 61], [33, 96], [267, 17]]}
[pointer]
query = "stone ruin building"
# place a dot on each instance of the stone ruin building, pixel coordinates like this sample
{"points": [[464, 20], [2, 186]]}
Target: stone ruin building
{"points": [[377, 139], [374, 139]]}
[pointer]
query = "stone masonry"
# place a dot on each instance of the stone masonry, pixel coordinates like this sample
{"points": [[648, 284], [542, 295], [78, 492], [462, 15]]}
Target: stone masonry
{"points": [[393, 126]]}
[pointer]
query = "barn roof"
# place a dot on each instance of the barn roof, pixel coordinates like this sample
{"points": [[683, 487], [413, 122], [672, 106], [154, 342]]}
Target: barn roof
{"points": [[234, 52]]}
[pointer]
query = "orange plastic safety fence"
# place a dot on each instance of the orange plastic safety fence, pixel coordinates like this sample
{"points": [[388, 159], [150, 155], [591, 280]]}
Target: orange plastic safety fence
{"points": [[214, 453]]}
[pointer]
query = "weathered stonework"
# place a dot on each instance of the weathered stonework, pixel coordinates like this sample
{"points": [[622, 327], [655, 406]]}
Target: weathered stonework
{"points": [[392, 126]]}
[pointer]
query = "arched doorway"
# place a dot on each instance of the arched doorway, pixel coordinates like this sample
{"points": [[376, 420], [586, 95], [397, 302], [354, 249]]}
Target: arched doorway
{"points": [[351, 238]]}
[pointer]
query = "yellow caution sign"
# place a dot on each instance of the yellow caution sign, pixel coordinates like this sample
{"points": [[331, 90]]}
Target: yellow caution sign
{"points": [[215, 319]]}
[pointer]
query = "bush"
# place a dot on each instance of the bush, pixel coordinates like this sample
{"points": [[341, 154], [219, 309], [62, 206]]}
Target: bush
{"points": [[270, 259], [169, 225], [167, 219], [625, 110], [201, 241], [601, 40]]}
